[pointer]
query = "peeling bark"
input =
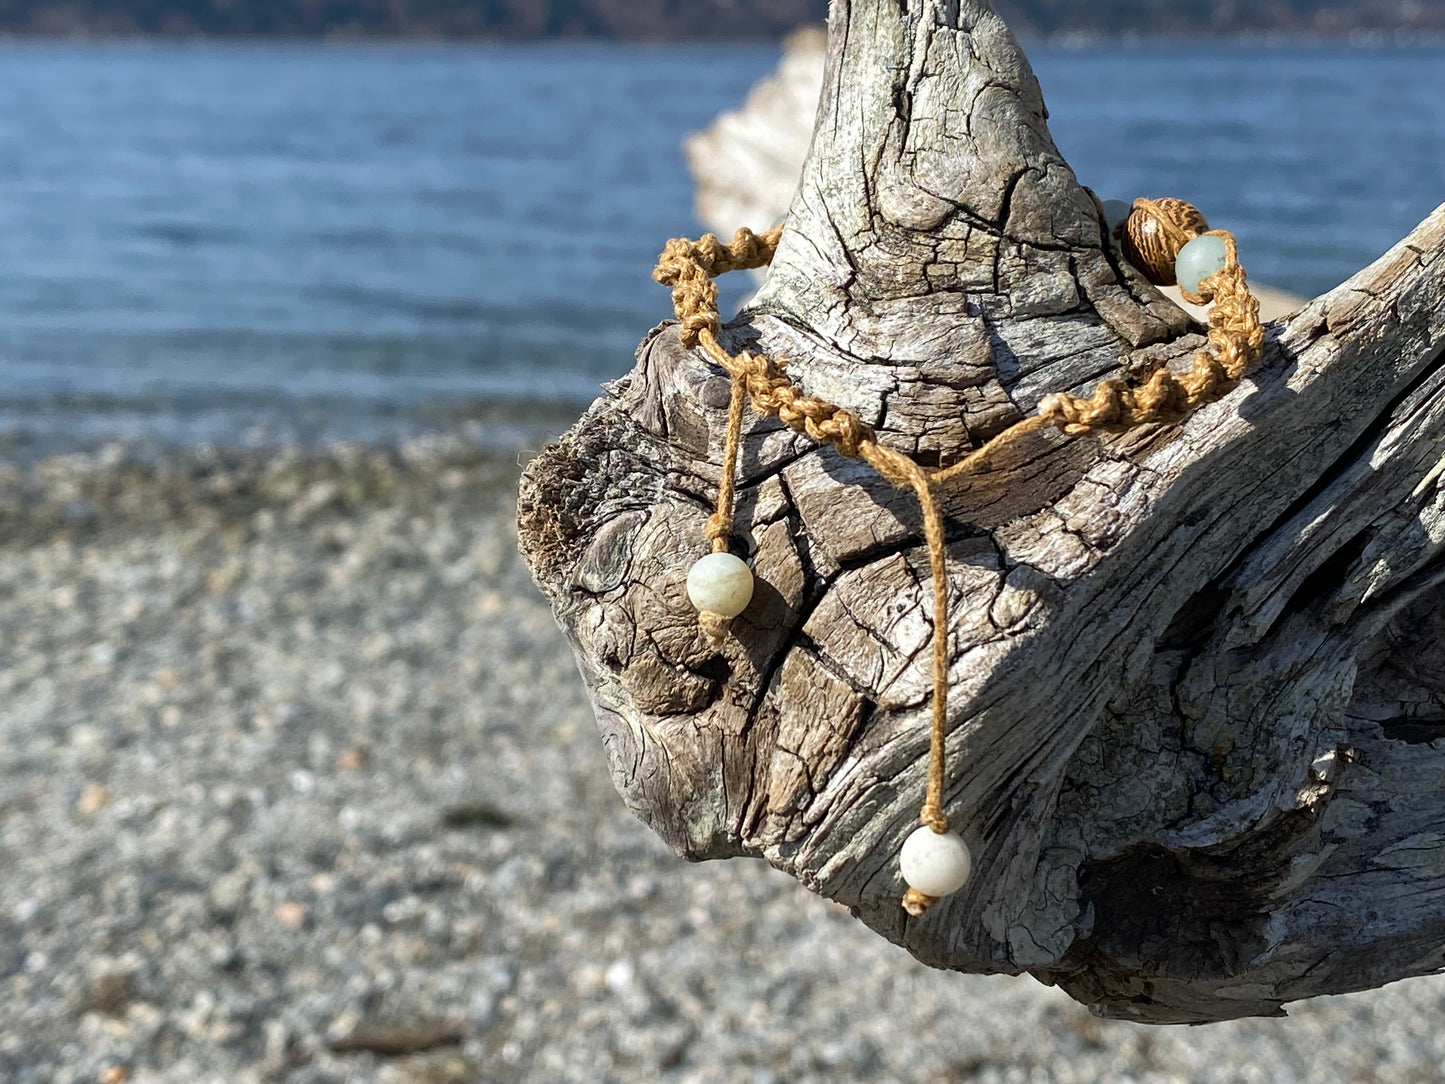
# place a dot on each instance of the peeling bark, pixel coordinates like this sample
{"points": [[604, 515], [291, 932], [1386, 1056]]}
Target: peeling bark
{"points": [[1194, 713]]}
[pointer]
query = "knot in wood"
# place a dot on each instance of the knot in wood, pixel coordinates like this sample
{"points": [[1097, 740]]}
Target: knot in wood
{"points": [[1155, 232]]}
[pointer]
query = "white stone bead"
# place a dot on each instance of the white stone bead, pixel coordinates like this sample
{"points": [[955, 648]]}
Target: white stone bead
{"points": [[934, 864], [1199, 259], [720, 583]]}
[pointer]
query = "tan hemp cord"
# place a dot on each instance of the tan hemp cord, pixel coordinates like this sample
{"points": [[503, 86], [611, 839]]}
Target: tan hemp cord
{"points": [[1151, 240]]}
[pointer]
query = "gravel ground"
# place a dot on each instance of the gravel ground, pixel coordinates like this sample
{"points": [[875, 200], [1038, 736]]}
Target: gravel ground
{"points": [[297, 783]]}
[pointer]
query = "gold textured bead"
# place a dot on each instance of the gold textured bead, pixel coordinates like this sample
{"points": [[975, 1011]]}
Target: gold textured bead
{"points": [[1155, 232]]}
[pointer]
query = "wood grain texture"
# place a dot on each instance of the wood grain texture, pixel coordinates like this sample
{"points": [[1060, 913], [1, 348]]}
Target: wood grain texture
{"points": [[1194, 708]]}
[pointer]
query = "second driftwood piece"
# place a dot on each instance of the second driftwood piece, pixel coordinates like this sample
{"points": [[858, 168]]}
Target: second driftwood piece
{"points": [[1195, 703]]}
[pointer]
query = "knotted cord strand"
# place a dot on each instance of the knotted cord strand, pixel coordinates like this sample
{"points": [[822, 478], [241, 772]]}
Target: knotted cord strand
{"points": [[1156, 230], [720, 523]]}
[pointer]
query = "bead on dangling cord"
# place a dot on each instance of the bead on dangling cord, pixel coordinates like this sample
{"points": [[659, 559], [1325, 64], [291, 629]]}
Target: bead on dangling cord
{"points": [[720, 585]]}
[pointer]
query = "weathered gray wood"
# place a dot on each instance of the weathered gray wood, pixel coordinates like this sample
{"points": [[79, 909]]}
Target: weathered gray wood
{"points": [[1194, 713]]}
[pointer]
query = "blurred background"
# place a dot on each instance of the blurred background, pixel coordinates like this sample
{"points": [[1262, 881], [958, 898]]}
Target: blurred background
{"points": [[256, 223], [298, 782]]}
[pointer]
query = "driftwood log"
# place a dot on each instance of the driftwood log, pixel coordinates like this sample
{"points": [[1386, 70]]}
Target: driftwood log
{"points": [[1197, 719]]}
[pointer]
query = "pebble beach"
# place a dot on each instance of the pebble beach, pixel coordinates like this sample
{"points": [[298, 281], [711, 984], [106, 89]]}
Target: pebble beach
{"points": [[298, 783]]}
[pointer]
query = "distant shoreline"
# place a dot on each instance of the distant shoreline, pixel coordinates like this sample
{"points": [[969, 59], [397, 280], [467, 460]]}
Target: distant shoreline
{"points": [[1360, 38]]}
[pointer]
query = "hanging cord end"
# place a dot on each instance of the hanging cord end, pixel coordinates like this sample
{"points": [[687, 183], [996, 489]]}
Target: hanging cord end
{"points": [[916, 902], [715, 626], [720, 585]]}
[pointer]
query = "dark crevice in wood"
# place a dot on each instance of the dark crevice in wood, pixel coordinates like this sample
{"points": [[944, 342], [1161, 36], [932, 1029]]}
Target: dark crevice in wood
{"points": [[1413, 731], [1203, 911], [1194, 622], [1378, 610], [750, 483], [1326, 580], [804, 642], [1010, 186], [715, 668], [1128, 283]]}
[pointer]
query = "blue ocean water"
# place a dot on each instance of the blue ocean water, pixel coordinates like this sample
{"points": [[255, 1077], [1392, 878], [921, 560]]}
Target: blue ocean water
{"points": [[260, 244]]}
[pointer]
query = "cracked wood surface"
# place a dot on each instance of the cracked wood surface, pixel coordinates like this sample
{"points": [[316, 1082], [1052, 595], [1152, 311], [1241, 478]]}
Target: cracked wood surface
{"points": [[1195, 701]]}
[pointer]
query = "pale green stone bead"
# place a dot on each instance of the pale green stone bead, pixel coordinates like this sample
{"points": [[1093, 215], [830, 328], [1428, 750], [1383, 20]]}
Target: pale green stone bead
{"points": [[1116, 213], [936, 864], [720, 583], [1197, 260]]}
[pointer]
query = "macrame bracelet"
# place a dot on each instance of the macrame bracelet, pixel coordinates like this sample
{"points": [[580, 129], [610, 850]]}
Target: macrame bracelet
{"points": [[1168, 240]]}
